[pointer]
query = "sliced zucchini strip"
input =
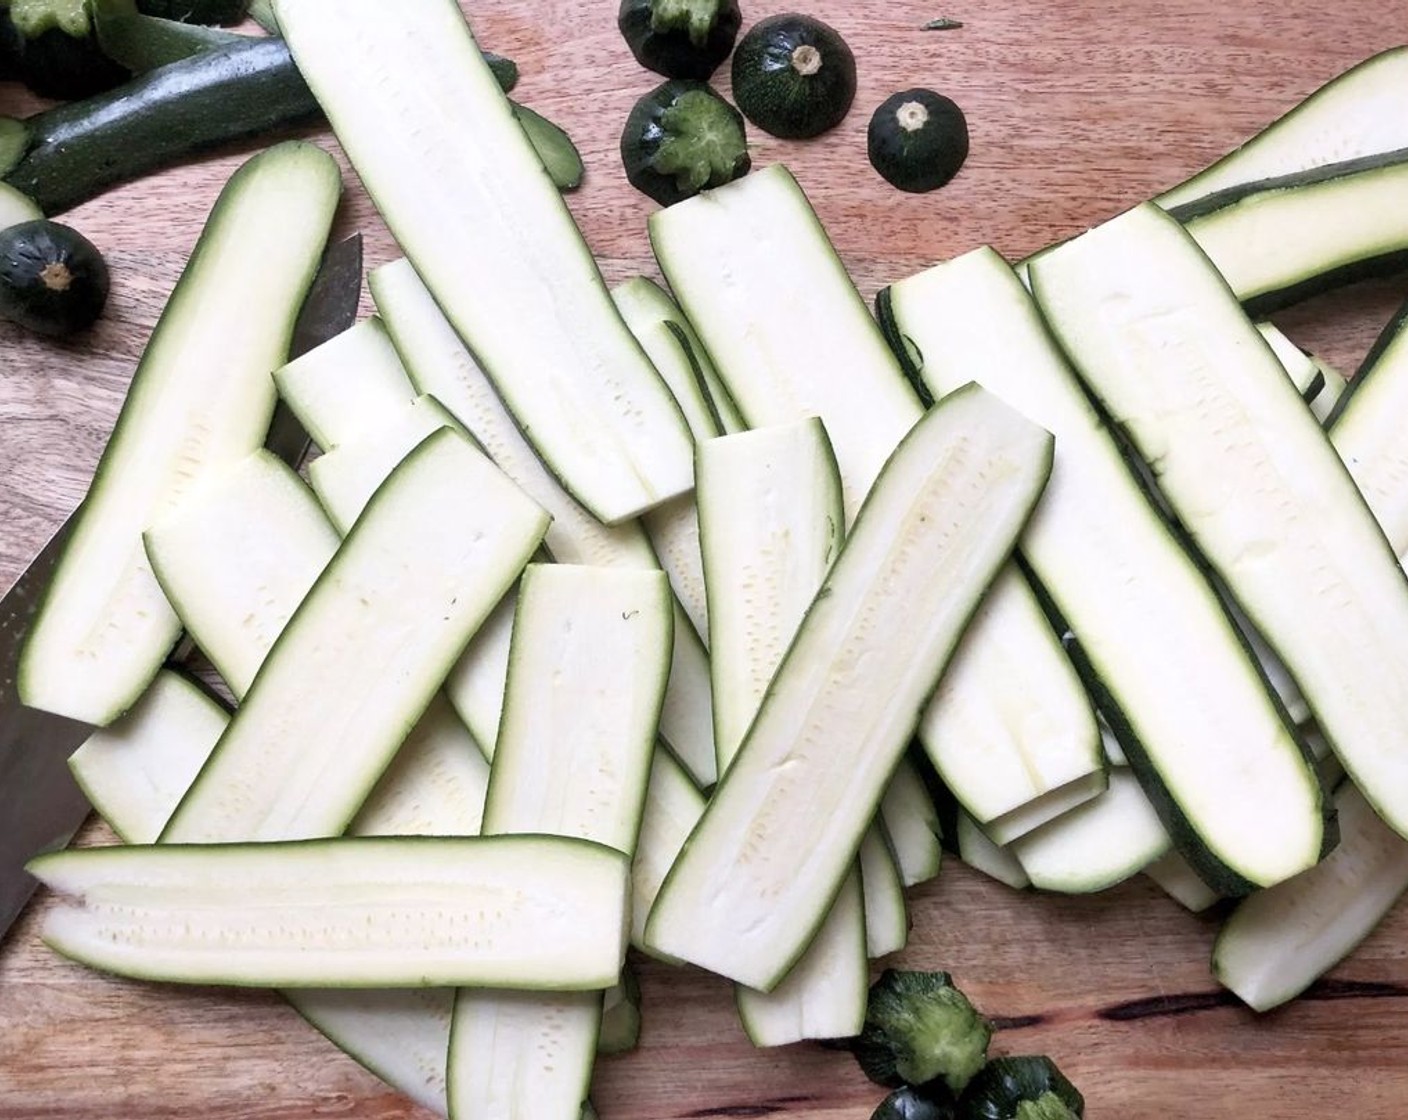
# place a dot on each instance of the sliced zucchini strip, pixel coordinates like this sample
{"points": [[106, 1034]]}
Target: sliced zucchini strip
{"points": [[1228, 777], [978, 851], [1362, 112], [201, 400], [590, 656], [367, 913], [466, 196], [655, 321], [1281, 240], [1177, 879], [1099, 844], [1277, 943], [912, 823], [237, 561], [346, 478], [882, 893], [764, 561], [642, 301], [237, 558], [808, 780], [763, 286], [1259, 489], [342, 389], [136, 770], [298, 760], [1367, 430], [440, 364]]}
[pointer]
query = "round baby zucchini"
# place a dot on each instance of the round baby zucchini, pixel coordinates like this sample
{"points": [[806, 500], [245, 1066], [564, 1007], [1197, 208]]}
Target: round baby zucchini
{"points": [[918, 140], [53, 280], [794, 76], [682, 138], [680, 38]]}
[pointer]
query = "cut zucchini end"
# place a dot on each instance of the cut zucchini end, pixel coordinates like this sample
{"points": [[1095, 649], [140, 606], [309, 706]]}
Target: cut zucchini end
{"points": [[1048, 807]]}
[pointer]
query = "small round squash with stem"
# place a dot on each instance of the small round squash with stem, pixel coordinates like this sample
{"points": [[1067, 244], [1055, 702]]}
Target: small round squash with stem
{"points": [[680, 38], [918, 140], [53, 280], [794, 76]]}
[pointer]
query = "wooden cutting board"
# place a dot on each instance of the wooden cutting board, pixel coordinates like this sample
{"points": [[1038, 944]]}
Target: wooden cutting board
{"points": [[1077, 110]]}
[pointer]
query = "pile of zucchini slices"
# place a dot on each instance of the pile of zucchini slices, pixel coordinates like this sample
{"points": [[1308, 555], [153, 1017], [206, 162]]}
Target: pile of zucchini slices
{"points": [[687, 622]]}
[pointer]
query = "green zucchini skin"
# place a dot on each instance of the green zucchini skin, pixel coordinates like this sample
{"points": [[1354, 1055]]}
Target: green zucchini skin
{"points": [[682, 138], [794, 76], [56, 64], [918, 140], [79, 150], [1259, 306], [53, 280], [674, 51], [217, 97], [206, 12], [1005, 1084]]}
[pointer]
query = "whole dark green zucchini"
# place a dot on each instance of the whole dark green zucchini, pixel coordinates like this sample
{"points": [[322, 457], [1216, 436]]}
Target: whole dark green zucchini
{"points": [[79, 150], [67, 155]]}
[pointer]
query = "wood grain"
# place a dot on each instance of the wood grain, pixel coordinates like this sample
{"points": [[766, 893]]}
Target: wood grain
{"points": [[1077, 110]]}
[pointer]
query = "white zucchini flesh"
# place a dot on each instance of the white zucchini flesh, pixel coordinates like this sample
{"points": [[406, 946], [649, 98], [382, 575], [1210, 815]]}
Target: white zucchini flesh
{"points": [[590, 657], [1367, 432], [1362, 112], [1277, 240], [1300, 367], [346, 478], [1100, 844], [467, 198], [978, 851], [587, 673], [16, 207], [1156, 334], [316, 385], [1328, 399], [1177, 879], [1280, 941], [439, 364], [673, 806], [409, 587], [404, 912], [236, 559], [1233, 778], [201, 400], [771, 525], [653, 319], [886, 912], [760, 872], [136, 770], [756, 275], [673, 529], [912, 822], [673, 526], [642, 301]]}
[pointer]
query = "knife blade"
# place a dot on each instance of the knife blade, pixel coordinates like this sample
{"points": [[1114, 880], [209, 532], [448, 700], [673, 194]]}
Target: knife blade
{"points": [[41, 806]]}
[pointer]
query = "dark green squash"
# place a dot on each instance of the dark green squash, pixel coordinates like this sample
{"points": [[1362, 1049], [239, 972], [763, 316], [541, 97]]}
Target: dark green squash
{"points": [[1030, 1088], [53, 280], [923, 1103], [682, 138], [680, 38], [206, 12], [794, 76], [918, 140], [919, 1028], [54, 51]]}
